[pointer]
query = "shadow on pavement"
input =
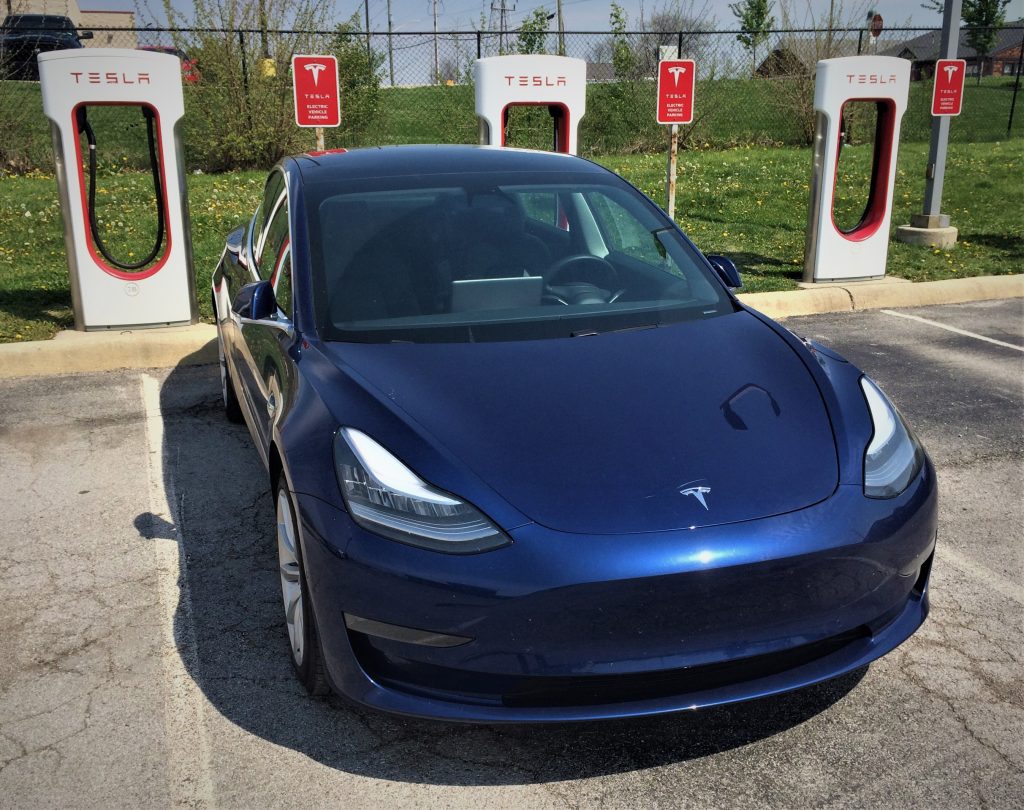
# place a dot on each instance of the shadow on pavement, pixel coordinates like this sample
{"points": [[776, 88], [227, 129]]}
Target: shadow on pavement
{"points": [[242, 663]]}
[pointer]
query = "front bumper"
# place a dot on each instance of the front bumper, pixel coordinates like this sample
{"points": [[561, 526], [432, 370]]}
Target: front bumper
{"points": [[570, 627]]}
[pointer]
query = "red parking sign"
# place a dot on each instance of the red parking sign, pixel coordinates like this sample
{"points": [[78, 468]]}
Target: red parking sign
{"points": [[675, 91], [948, 93], [315, 84]]}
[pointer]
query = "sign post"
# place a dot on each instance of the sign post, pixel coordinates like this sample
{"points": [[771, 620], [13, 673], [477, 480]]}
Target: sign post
{"points": [[676, 84], [317, 100], [931, 227]]}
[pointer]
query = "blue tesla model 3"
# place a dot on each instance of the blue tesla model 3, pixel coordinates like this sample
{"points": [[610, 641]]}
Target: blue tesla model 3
{"points": [[532, 460]]}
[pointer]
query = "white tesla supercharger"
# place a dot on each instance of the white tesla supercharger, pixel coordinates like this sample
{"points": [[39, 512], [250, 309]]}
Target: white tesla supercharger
{"points": [[835, 253], [153, 286], [531, 80]]}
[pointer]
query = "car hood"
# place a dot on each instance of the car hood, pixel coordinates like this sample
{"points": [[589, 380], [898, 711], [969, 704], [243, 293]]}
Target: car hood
{"points": [[694, 424]]}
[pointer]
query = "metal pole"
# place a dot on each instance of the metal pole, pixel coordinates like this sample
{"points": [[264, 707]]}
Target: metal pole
{"points": [[245, 76], [245, 65], [391, 49], [366, 16], [479, 45], [1016, 86], [320, 139], [673, 149], [437, 68], [935, 174], [673, 152], [561, 30]]}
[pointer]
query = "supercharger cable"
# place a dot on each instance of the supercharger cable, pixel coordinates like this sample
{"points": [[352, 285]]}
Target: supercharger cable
{"points": [[90, 136]]}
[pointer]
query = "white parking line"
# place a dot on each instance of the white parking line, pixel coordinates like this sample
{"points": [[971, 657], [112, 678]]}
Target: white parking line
{"points": [[1000, 584], [949, 328], [188, 750]]}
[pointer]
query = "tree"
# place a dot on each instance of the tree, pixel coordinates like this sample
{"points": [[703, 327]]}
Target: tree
{"points": [[533, 32], [756, 20], [675, 24], [982, 19], [359, 72], [623, 57]]}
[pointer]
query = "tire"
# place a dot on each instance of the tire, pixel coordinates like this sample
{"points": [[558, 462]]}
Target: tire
{"points": [[303, 638], [232, 410]]}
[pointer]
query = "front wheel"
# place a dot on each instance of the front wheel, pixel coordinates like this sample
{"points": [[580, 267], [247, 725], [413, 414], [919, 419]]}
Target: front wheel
{"points": [[303, 638]]}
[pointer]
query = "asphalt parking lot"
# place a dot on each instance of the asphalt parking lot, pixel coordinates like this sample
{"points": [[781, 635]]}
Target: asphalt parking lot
{"points": [[143, 653]]}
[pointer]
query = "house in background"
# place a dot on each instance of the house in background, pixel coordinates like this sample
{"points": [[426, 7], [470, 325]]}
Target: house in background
{"points": [[1002, 60], [84, 20], [798, 55]]}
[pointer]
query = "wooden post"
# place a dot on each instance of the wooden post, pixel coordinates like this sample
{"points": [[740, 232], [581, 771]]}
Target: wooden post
{"points": [[673, 152], [320, 139]]}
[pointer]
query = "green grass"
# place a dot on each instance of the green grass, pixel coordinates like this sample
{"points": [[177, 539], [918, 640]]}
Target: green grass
{"points": [[751, 204], [35, 301], [748, 203]]}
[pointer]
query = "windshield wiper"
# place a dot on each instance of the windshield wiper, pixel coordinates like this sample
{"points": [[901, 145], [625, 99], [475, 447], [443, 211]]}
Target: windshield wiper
{"points": [[592, 332]]}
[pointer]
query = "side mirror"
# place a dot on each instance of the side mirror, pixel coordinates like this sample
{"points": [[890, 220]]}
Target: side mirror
{"points": [[727, 271], [255, 301], [85, 34]]}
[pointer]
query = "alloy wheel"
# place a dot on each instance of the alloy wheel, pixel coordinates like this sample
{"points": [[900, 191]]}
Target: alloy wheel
{"points": [[291, 580]]}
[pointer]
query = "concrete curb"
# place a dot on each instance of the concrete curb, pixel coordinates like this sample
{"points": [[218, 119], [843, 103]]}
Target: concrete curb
{"points": [[70, 352], [877, 295]]}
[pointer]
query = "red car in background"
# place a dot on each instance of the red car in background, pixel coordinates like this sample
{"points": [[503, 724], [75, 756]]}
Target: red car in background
{"points": [[189, 67]]}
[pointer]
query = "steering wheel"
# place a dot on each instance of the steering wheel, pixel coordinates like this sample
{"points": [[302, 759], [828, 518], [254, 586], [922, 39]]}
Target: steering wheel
{"points": [[583, 267]]}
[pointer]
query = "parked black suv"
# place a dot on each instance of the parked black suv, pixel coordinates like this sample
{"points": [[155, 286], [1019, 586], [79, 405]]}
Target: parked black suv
{"points": [[22, 36]]}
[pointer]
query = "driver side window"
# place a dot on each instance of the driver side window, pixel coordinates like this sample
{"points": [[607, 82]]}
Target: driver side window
{"points": [[273, 197], [276, 265]]}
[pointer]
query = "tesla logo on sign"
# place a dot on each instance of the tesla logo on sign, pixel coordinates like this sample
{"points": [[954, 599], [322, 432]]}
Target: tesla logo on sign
{"points": [[314, 68], [948, 92], [675, 91], [315, 84], [676, 72]]}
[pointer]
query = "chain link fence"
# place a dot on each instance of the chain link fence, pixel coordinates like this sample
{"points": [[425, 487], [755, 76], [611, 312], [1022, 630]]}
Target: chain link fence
{"points": [[417, 88]]}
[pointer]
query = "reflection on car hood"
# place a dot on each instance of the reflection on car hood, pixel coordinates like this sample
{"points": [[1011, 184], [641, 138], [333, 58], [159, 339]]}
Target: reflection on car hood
{"points": [[694, 424]]}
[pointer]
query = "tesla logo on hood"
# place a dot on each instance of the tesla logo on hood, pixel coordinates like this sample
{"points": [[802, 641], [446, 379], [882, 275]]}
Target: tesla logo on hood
{"points": [[698, 493]]}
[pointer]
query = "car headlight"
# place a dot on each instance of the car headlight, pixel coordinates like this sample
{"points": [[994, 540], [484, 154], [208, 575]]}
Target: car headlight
{"points": [[386, 497], [894, 456]]}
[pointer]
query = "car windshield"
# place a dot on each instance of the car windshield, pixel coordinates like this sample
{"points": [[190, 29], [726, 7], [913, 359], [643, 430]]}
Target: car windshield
{"points": [[518, 256]]}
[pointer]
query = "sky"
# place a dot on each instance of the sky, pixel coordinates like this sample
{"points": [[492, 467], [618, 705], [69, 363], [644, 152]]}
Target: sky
{"points": [[589, 15]]}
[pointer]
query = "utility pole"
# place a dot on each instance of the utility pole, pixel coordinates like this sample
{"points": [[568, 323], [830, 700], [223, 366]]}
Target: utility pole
{"points": [[262, 12], [831, 25], [391, 49], [366, 16], [437, 67], [561, 30], [503, 11], [931, 227]]}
